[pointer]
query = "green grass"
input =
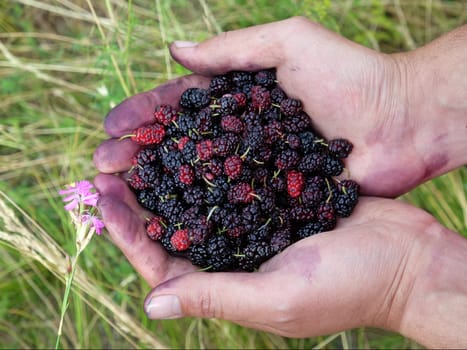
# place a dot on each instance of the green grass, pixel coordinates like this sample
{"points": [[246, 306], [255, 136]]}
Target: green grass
{"points": [[63, 65]]}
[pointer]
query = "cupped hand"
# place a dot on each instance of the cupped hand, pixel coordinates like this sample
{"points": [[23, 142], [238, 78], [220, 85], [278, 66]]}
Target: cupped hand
{"points": [[349, 91], [360, 274]]}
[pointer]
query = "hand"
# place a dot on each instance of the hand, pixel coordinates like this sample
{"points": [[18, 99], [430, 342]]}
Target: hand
{"points": [[379, 268], [405, 128], [349, 91], [360, 274]]}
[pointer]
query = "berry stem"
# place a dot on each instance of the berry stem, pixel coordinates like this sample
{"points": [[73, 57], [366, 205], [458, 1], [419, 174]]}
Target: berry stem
{"points": [[266, 223], [213, 209], [321, 142], [221, 230], [243, 156], [126, 136], [255, 195], [205, 268], [329, 189], [209, 182]]}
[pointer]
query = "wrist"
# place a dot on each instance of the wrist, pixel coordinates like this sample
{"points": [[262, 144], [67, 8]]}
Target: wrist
{"points": [[430, 305], [437, 102]]}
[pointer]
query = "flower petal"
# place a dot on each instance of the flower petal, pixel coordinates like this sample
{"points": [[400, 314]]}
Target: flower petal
{"points": [[91, 199], [84, 187], [72, 205], [66, 191], [69, 198]]}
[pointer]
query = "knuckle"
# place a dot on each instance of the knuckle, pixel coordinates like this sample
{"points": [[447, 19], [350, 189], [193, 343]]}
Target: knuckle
{"points": [[208, 307]]}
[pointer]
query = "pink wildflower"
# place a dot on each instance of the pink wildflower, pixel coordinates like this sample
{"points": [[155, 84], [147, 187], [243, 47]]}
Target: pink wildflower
{"points": [[79, 192], [95, 222]]}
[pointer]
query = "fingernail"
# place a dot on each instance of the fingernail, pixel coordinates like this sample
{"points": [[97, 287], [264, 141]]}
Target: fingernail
{"points": [[164, 307], [184, 44]]}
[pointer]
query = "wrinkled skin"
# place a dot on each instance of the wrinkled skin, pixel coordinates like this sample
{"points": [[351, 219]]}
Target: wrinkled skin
{"points": [[363, 273]]}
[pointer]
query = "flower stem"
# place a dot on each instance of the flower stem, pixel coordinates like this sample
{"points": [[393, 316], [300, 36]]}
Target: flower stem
{"points": [[69, 281]]}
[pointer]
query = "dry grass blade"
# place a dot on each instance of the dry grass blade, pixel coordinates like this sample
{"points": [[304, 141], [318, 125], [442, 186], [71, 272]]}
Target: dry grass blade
{"points": [[48, 36], [404, 27], [326, 341], [77, 69], [98, 23], [456, 181], [12, 332], [212, 22], [83, 16], [32, 241], [164, 39], [40, 75]]}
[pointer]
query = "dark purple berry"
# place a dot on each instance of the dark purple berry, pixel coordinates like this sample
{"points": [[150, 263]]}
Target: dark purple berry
{"points": [[280, 240], [310, 229], [332, 166], [287, 159], [291, 107], [311, 163], [220, 85], [265, 78], [194, 195], [296, 123], [277, 95], [194, 98], [340, 148], [253, 255]]}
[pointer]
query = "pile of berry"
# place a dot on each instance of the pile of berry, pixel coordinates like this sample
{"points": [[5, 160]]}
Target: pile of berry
{"points": [[238, 173]]}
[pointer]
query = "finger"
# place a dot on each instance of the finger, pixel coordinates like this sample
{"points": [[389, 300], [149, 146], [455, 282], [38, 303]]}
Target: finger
{"points": [[239, 297], [111, 185], [114, 155], [138, 110], [248, 49], [127, 230], [258, 300]]}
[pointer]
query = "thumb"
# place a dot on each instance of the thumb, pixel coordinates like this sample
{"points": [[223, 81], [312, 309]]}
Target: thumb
{"points": [[252, 48], [237, 297]]}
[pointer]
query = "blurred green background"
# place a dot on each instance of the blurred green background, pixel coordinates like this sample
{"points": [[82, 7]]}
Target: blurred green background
{"points": [[63, 65]]}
